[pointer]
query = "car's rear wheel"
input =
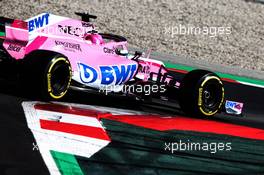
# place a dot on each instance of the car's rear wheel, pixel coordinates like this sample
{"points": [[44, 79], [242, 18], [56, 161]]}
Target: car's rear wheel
{"points": [[201, 93], [47, 74]]}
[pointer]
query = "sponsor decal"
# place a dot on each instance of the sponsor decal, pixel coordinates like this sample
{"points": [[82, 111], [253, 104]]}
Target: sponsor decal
{"points": [[76, 31], [49, 82], [144, 69], [87, 73], [69, 46], [38, 22], [108, 50], [108, 74], [200, 101], [13, 47], [113, 49], [233, 107]]}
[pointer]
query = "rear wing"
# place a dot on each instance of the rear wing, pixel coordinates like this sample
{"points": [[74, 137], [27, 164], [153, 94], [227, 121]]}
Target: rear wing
{"points": [[3, 22], [15, 36], [13, 29]]}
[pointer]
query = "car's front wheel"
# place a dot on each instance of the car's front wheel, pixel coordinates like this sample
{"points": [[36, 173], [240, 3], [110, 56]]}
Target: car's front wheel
{"points": [[201, 93]]}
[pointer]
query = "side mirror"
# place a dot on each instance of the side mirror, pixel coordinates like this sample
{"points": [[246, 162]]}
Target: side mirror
{"points": [[137, 55]]}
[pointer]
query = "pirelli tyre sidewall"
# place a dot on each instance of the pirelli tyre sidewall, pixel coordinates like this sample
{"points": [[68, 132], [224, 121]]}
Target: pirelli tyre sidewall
{"points": [[46, 75], [201, 93], [58, 77]]}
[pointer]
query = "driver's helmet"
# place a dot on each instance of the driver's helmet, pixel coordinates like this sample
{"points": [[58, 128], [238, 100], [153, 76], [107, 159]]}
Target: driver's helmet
{"points": [[94, 38]]}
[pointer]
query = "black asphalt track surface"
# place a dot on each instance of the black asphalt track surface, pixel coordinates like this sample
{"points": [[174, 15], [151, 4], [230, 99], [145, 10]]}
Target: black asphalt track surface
{"points": [[18, 157]]}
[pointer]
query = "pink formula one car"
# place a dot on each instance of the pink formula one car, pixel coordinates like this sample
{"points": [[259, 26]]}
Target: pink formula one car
{"points": [[53, 53]]}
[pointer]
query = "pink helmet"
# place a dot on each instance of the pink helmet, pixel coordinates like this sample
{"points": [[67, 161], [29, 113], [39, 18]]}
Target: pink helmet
{"points": [[95, 38]]}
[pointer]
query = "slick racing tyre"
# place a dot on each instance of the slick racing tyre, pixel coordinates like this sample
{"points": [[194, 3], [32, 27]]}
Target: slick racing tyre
{"points": [[201, 93], [47, 74]]}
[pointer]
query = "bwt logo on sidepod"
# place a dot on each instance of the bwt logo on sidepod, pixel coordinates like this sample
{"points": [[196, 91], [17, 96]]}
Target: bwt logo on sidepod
{"points": [[38, 22], [109, 74]]}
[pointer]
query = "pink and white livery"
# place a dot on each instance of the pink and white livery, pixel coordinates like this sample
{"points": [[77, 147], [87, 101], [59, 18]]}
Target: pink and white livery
{"points": [[53, 53]]}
